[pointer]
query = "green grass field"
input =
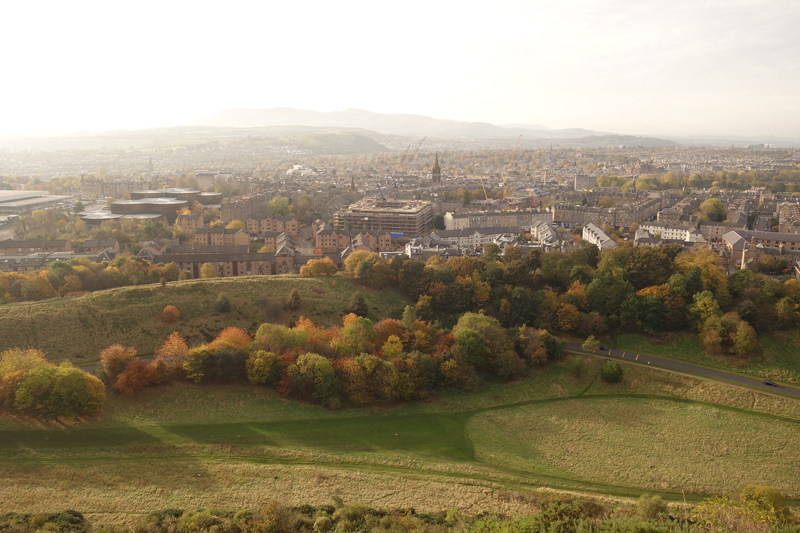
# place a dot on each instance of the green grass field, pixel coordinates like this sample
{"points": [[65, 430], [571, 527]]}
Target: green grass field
{"points": [[778, 360], [79, 328], [186, 445]]}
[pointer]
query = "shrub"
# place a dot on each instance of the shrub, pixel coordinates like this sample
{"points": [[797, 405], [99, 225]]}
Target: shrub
{"points": [[137, 375], [357, 305], [115, 359], [263, 368], [293, 301], [650, 506], [222, 304], [49, 392], [611, 372], [170, 314]]}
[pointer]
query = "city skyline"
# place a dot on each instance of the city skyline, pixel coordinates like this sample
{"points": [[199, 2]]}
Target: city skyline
{"points": [[643, 68]]}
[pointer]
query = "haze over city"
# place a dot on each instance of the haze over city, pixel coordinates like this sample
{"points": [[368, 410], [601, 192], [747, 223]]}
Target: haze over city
{"points": [[624, 66]]}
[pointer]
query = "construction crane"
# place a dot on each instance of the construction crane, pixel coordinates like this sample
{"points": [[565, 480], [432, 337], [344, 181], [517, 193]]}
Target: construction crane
{"points": [[380, 191], [417, 148], [395, 183], [505, 174], [484, 188], [403, 157], [400, 162]]}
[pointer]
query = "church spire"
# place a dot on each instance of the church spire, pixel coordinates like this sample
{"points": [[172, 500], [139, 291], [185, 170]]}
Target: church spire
{"points": [[436, 171]]}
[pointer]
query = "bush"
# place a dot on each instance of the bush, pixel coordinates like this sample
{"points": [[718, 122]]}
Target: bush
{"points": [[222, 304], [650, 506], [49, 392], [170, 314], [115, 359], [137, 375], [357, 306], [611, 372], [293, 301]]}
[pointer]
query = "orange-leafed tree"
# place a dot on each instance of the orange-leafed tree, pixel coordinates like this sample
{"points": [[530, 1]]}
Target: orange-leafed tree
{"points": [[114, 359], [137, 375], [173, 351], [232, 338], [170, 314]]}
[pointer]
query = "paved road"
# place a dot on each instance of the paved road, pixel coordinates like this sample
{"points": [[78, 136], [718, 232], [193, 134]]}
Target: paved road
{"points": [[686, 368]]}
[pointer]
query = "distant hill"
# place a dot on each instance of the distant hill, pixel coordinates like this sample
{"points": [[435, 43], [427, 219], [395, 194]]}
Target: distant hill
{"points": [[617, 140], [396, 124], [320, 140]]}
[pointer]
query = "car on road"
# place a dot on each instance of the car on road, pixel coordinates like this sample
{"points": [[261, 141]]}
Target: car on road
{"points": [[603, 348], [770, 383]]}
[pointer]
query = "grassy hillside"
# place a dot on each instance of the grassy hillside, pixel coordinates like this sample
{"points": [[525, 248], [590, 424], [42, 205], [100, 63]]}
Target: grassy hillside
{"points": [[778, 358], [78, 328], [234, 446]]}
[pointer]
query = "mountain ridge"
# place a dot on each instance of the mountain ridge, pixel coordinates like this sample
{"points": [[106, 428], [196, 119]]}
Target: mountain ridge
{"points": [[392, 124]]}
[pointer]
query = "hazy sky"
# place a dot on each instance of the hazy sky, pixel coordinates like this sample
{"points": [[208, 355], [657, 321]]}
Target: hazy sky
{"points": [[627, 66]]}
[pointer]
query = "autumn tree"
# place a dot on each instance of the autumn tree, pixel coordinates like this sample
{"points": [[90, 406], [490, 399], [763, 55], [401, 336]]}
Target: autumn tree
{"points": [[231, 338], [114, 359], [207, 271], [353, 260], [236, 224], [170, 314], [17, 359], [137, 375], [319, 267], [173, 351]]}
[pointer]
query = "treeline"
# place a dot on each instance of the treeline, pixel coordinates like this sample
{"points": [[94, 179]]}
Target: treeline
{"points": [[358, 363], [757, 510], [77, 276], [776, 181], [652, 290], [31, 386]]}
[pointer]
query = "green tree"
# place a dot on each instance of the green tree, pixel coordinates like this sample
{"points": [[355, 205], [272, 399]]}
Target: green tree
{"points": [[357, 305], [171, 271], [222, 304], [471, 348], [491, 252], [714, 210], [591, 344], [49, 392], [745, 339], [279, 205], [612, 372], [314, 376]]}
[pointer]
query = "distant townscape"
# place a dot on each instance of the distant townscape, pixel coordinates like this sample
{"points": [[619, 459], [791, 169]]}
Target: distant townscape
{"points": [[263, 208]]}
